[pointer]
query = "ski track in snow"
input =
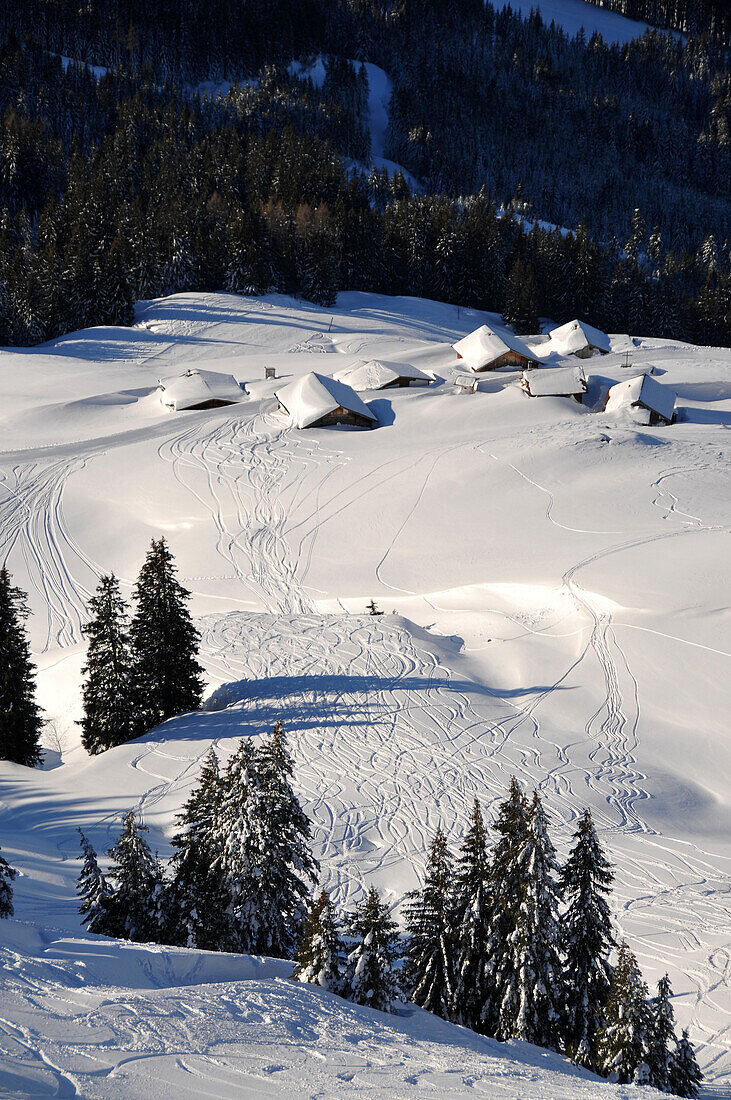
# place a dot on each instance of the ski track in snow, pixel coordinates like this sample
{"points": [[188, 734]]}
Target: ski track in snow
{"points": [[32, 523], [394, 744]]}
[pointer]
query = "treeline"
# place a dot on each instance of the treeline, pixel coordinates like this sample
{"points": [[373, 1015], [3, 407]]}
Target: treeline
{"points": [[500, 939], [139, 671], [583, 129], [698, 17], [121, 188]]}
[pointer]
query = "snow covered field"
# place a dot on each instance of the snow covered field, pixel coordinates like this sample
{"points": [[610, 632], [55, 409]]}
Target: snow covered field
{"points": [[555, 583]]}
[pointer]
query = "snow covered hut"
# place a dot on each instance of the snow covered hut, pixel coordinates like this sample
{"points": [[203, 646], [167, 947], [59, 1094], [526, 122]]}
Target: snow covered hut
{"points": [[199, 389], [375, 374], [555, 382], [316, 401], [656, 402], [484, 349], [579, 339]]}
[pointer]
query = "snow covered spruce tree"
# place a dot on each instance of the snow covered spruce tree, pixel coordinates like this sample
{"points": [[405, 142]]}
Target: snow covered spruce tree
{"points": [[133, 906], [587, 941], [195, 899], [20, 720], [262, 840], [371, 970], [684, 1075], [110, 703], [532, 1001], [429, 964], [505, 890], [662, 1035], [93, 890], [471, 1003], [7, 874], [624, 1041], [164, 641], [320, 958]]}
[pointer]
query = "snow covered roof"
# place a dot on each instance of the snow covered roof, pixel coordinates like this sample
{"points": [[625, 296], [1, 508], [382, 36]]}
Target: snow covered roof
{"points": [[374, 374], [313, 396], [576, 335], [554, 381], [484, 346], [645, 391], [198, 387]]}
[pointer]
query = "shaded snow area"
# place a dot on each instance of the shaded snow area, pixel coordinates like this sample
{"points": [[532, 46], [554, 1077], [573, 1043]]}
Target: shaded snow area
{"points": [[554, 582]]}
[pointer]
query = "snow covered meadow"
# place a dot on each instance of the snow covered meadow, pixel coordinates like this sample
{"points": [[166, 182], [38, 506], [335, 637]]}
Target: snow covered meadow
{"points": [[554, 582]]}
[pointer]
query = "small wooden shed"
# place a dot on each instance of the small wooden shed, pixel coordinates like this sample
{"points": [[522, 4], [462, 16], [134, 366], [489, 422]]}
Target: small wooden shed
{"points": [[317, 401], [484, 349], [655, 402], [199, 389], [579, 339], [376, 374], [555, 382]]}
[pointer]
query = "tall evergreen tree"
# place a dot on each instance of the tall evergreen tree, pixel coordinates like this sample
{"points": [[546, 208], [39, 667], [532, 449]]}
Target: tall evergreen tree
{"points": [[506, 892], [7, 874], [109, 699], [624, 1040], [195, 898], [93, 890], [531, 1005], [587, 941], [320, 958], [663, 1039], [684, 1075], [371, 970], [263, 845], [472, 990], [165, 642], [20, 719], [429, 969], [133, 907]]}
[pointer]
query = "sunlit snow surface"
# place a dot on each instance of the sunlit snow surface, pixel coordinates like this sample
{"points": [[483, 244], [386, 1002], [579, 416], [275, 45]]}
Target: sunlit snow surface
{"points": [[555, 584]]}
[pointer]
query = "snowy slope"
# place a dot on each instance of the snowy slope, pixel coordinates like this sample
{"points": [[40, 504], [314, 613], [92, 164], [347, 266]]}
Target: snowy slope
{"points": [[561, 587], [575, 15]]}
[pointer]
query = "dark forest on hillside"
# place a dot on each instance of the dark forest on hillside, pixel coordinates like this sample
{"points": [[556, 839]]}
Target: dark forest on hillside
{"points": [[128, 184]]}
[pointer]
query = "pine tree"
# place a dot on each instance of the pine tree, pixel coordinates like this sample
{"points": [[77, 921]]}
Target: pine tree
{"points": [[7, 874], [287, 868], [93, 889], [430, 953], [371, 975], [164, 640], [195, 898], [624, 1040], [133, 906], [505, 891], [684, 1075], [110, 706], [263, 845], [531, 1006], [472, 991], [20, 720], [587, 941], [320, 958], [662, 1035]]}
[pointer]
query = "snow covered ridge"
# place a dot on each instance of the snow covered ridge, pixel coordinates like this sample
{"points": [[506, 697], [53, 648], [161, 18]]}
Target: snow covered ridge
{"points": [[570, 569]]}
